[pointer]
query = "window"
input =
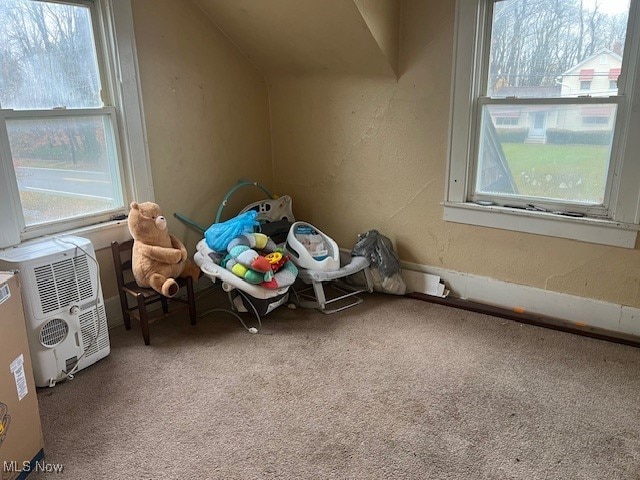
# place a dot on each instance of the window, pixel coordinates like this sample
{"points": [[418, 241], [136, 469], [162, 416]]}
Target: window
{"points": [[66, 148], [567, 169], [506, 120], [595, 120], [614, 73]]}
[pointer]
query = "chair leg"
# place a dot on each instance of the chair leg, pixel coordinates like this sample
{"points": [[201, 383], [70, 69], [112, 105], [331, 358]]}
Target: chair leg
{"points": [[165, 304], [318, 289], [192, 301], [127, 320], [144, 320], [124, 304]]}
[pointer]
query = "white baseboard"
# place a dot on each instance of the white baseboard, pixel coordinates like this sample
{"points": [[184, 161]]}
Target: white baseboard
{"points": [[519, 298], [571, 308]]}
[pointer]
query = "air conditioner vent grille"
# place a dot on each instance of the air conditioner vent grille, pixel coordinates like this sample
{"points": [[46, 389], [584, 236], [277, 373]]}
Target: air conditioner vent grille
{"points": [[89, 329], [46, 288], [63, 283], [85, 287], [53, 332], [64, 274]]}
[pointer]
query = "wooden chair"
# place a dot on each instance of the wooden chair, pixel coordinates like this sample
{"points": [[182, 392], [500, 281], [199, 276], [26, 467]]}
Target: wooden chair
{"points": [[141, 298]]}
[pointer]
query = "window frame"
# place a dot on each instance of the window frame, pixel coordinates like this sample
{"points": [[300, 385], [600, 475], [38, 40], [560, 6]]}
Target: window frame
{"points": [[113, 33], [618, 223]]}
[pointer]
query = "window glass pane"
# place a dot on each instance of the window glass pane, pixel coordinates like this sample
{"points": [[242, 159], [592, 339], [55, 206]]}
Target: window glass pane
{"points": [[556, 48], [47, 56], [546, 151], [66, 167]]}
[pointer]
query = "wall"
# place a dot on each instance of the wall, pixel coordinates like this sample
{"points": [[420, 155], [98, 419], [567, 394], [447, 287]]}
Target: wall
{"points": [[355, 151], [358, 152], [206, 111]]}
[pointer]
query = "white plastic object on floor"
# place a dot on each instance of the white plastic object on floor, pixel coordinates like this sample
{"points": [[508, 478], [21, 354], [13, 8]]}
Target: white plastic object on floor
{"points": [[311, 249], [315, 296]]}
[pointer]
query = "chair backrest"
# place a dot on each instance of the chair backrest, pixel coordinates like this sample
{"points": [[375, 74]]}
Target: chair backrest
{"points": [[122, 261]]}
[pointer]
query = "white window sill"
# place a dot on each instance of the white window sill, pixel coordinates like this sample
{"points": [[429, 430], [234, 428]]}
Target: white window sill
{"points": [[102, 234], [584, 229]]}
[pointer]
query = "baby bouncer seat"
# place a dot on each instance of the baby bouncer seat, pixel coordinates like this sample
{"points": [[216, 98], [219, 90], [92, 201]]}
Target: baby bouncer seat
{"points": [[243, 296], [272, 217], [321, 264]]}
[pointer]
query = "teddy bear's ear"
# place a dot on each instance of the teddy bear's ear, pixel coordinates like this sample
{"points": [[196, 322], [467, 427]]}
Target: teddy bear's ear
{"points": [[134, 205]]}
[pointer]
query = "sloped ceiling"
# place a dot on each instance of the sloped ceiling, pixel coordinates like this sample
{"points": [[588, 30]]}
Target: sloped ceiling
{"points": [[312, 36], [383, 19]]}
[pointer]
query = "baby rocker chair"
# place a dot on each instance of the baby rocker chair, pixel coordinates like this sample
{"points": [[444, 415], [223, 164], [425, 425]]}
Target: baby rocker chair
{"points": [[320, 262], [274, 215], [243, 296]]}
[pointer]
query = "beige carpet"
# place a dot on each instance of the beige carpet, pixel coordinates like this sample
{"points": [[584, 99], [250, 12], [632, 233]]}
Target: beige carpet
{"points": [[394, 388]]}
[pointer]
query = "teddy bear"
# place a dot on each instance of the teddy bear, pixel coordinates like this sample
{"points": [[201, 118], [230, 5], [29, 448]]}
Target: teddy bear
{"points": [[158, 258]]}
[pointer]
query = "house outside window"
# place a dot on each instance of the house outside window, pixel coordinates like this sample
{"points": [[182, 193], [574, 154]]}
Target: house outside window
{"points": [[65, 144], [568, 164]]}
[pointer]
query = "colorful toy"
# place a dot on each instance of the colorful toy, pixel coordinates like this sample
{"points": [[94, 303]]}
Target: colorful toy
{"points": [[255, 258]]}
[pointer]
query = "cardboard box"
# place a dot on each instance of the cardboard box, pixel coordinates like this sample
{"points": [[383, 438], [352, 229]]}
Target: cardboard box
{"points": [[21, 442]]}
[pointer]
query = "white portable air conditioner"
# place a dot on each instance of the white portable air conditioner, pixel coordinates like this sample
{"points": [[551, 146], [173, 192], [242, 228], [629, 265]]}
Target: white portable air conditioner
{"points": [[64, 308]]}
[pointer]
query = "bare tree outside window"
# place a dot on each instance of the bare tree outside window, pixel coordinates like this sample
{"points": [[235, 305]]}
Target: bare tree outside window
{"points": [[534, 42], [61, 135], [49, 56]]}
